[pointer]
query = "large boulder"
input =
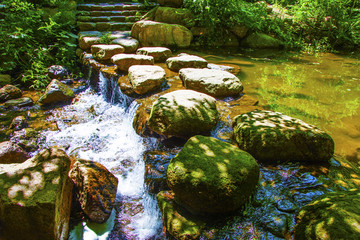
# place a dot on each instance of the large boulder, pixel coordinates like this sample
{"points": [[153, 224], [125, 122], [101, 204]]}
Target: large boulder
{"points": [[273, 136], [181, 16], [185, 61], [160, 54], [106, 51], [261, 40], [9, 92], [36, 197], [171, 3], [211, 176], [56, 92], [183, 113], [124, 61], [334, 215], [12, 153], [155, 34], [216, 83], [146, 78], [96, 188]]}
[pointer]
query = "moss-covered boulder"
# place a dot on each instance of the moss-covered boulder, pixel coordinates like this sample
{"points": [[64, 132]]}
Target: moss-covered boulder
{"points": [[96, 189], [156, 34], [183, 113], [177, 221], [36, 197], [273, 136], [216, 83], [56, 92], [211, 176], [181, 16], [261, 40], [9, 92], [332, 216]]}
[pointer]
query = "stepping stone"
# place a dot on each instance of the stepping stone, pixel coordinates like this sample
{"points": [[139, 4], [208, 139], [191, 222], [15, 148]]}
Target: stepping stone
{"points": [[146, 78], [130, 44], [160, 54], [216, 83], [105, 52], [124, 61], [185, 61]]}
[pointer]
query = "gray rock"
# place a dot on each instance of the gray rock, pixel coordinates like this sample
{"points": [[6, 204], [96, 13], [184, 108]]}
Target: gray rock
{"points": [[57, 72], [185, 61], [19, 102], [160, 54], [124, 61], [56, 92], [9, 92], [105, 52], [130, 44], [146, 78]]}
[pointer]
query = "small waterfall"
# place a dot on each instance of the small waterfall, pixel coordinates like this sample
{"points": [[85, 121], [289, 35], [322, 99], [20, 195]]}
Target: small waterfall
{"points": [[99, 128]]}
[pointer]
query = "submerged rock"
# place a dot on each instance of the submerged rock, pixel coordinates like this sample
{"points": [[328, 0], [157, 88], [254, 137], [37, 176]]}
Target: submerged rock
{"points": [[96, 189], [105, 52], [185, 61], [183, 113], [9, 92], [36, 197], [12, 153], [334, 215], [167, 35], [146, 78], [124, 61], [216, 83], [160, 54], [179, 223], [211, 176], [273, 136], [56, 92]]}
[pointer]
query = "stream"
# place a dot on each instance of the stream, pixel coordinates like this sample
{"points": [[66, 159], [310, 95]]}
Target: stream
{"points": [[323, 90]]}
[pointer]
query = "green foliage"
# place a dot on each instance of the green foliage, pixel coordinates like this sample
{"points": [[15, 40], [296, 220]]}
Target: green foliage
{"points": [[32, 39]]}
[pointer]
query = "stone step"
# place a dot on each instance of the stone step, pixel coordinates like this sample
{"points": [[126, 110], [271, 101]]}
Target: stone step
{"points": [[112, 13], [104, 26], [113, 34], [109, 7], [108, 19]]}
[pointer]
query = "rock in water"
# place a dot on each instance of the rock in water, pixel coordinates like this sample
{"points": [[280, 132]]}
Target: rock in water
{"points": [[96, 188], [273, 136], [57, 72], [183, 113], [160, 54], [211, 176], [12, 153], [216, 83], [56, 92], [334, 215], [36, 197], [9, 92], [185, 61], [146, 78], [124, 61], [105, 52]]}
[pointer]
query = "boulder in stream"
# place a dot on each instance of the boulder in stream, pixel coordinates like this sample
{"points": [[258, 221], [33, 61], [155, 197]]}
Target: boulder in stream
{"points": [[56, 92], [160, 54], [216, 83], [146, 78], [211, 176], [183, 113], [124, 61], [9, 92], [36, 197], [12, 153], [185, 61], [272, 136], [106, 51], [96, 188]]}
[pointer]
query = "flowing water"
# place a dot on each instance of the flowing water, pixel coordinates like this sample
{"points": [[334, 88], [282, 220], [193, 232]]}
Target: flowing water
{"points": [[322, 90]]}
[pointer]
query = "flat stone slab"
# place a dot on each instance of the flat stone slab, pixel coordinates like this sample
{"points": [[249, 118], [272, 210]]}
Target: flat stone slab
{"points": [[185, 61], [160, 54], [146, 78], [106, 51], [85, 43], [130, 44], [124, 61], [216, 83]]}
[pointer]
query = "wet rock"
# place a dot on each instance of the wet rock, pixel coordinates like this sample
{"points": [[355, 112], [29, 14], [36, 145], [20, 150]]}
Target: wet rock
{"points": [[160, 54], [19, 102], [183, 113], [185, 61], [277, 224], [124, 61], [57, 72], [36, 197], [168, 35], [26, 138], [178, 222], [171, 3], [56, 92], [332, 216], [221, 67], [18, 123], [216, 83], [146, 78], [4, 79], [181, 16], [260, 40], [273, 136], [211, 176], [130, 44], [96, 189], [104, 52], [85, 43], [9, 92], [12, 153]]}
